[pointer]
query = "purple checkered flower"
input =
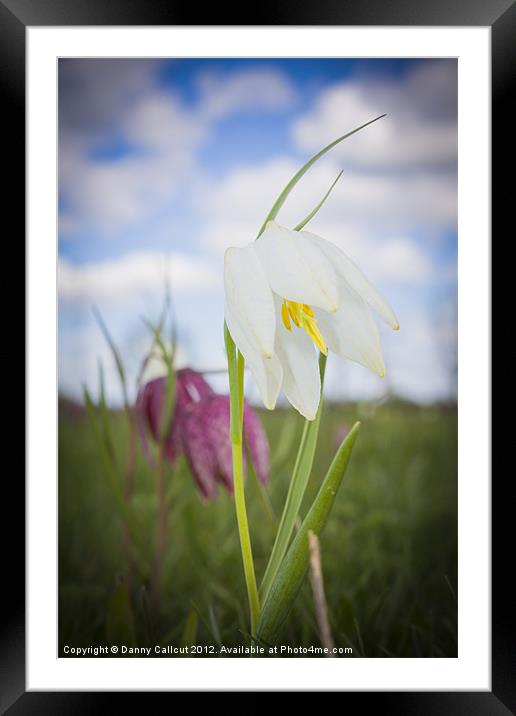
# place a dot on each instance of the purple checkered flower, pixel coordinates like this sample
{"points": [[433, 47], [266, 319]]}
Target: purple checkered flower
{"points": [[200, 430], [190, 388]]}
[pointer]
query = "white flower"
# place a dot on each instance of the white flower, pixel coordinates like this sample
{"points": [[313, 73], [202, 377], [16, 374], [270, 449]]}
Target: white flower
{"points": [[292, 291]]}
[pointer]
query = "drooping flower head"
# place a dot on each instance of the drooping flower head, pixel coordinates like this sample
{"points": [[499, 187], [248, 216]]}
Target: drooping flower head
{"points": [[289, 293], [207, 446], [200, 430], [191, 387]]}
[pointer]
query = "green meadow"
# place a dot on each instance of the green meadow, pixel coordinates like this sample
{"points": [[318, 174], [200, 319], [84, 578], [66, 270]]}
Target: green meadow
{"points": [[389, 550]]}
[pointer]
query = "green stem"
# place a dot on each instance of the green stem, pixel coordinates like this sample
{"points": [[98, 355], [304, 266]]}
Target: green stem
{"points": [[161, 536], [236, 391], [296, 491], [245, 540]]}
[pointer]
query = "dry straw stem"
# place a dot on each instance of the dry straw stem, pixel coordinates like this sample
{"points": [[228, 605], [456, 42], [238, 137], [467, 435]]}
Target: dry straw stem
{"points": [[317, 584]]}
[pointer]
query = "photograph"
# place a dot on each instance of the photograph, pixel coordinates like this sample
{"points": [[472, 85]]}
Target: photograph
{"points": [[258, 354], [257, 357]]}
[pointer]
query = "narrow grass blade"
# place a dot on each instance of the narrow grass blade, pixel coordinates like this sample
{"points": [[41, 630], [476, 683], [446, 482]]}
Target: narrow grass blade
{"points": [[169, 309], [316, 208], [120, 619], [214, 624], [131, 454], [290, 575], [170, 402], [207, 625], [261, 493], [296, 491], [116, 354], [189, 635], [285, 441], [105, 416], [170, 388], [292, 183]]}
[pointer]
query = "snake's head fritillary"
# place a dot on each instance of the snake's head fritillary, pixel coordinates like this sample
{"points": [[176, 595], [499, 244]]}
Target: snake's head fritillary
{"points": [[200, 430]]}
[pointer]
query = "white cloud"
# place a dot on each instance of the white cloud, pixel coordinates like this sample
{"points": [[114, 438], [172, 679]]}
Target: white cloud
{"points": [[134, 275], [159, 123], [247, 193], [246, 90], [420, 128], [395, 201], [418, 367], [373, 219], [108, 195], [362, 201], [399, 259], [83, 348], [164, 136], [395, 259]]}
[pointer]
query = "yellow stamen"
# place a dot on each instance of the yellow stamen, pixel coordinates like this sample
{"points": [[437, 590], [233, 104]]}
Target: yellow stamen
{"points": [[284, 316], [303, 316], [294, 310], [311, 327]]}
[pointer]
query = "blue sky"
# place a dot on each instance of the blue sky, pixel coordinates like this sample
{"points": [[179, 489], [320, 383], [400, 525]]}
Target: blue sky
{"points": [[165, 163]]}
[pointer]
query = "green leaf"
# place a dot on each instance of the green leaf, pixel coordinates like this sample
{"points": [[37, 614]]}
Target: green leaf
{"points": [[314, 211], [119, 619], [292, 183], [296, 491], [189, 635], [116, 354], [290, 576]]}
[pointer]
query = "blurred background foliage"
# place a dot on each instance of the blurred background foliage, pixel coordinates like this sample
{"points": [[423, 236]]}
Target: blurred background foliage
{"points": [[389, 551]]}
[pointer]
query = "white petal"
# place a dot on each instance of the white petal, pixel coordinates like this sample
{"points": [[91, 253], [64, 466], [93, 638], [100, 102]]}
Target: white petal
{"points": [[301, 378], [249, 298], [267, 372], [296, 268], [356, 279], [351, 332]]}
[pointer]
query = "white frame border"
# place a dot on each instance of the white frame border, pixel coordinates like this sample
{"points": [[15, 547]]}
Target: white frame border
{"points": [[471, 670]]}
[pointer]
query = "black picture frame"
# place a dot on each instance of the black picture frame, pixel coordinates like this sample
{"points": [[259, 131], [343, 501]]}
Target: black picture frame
{"points": [[15, 16]]}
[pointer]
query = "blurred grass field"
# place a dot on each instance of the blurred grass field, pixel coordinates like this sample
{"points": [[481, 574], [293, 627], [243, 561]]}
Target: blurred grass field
{"points": [[389, 551]]}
